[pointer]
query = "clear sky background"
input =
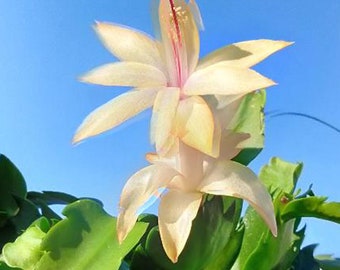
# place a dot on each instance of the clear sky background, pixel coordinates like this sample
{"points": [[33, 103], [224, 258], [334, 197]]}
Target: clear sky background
{"points": [[46, 45]]}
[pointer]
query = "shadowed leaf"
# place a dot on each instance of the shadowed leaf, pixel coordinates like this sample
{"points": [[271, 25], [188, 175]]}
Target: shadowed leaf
{"points": [[215, 223], [86, 240], [25, 251], [12, 184]]}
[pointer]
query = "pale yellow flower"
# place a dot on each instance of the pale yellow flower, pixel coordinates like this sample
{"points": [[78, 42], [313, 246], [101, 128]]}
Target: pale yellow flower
{"points": [[168, 76], [187, 177]]}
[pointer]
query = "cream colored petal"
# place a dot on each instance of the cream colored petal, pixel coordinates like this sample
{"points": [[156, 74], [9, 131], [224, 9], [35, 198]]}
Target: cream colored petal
{"points": [[190, 165], [244, 54], [129, 44], [196, 14], [166, 161], [137, 191], [224, 109], [170, 147], [216, 146], [180, 39], [230, 178], [223, 79], [188, 162], [230, 144], [114, 112], [176, 213], [126, 74], [188, 25], [227, 108], [163, 114], [195, 124]]}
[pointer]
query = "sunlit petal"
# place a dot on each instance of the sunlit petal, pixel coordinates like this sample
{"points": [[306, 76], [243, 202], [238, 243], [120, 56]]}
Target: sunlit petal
{"points": [[166, 161], [190, 33], [176, 212], [196, 14], [180, 39], [163, 114], [129, 44], [230, 178], [244, 54], [137, 191], [227, 108], [114, 112], [126, 74], [195, 124], [223, 79]]}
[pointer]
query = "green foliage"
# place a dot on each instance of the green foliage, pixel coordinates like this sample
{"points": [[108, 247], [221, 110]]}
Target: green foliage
{"points": [[250, 119], [19, 208], [280, 176], [251, 245], [258, 242], [280, 252], [138, 258], [312, 207], [25, 252], [51, 197], [305, 260], [27, 214], [42, 200], [12, 186], [328, 262], [214, 225], [33, 236], [16, 212], [4, 266], [228, 255], [86, 239]]}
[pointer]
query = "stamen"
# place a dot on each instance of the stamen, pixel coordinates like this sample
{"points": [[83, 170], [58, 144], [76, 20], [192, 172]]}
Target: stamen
{"points": [[176, 40], [175, 18]]}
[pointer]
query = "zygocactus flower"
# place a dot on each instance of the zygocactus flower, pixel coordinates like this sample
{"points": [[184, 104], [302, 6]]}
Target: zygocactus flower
{"points": [[168, 76], [186, 178]]}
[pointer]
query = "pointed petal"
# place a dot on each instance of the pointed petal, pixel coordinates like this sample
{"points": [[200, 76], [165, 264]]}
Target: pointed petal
{"points": [[223, 114], [129, 44], [196, 14], [223, 79], [244, 54], [176, 212], [163, 114], [195, 124], [191, 166], [180, 39], [230, 178], [126, 74], [114, 112], [137, 191], [190, 34]]}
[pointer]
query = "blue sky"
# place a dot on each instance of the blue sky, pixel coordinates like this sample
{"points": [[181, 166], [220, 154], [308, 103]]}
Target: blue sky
{"points": [[46, 45]]}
